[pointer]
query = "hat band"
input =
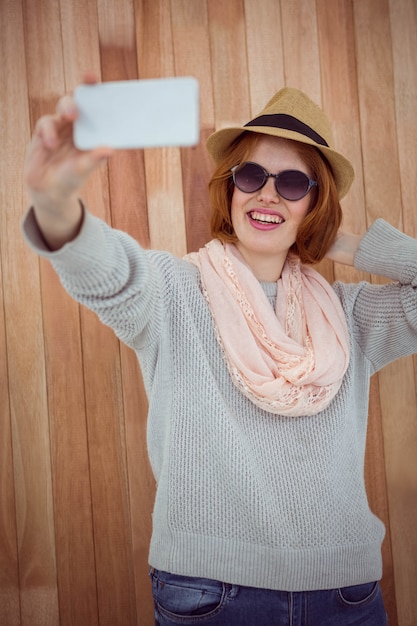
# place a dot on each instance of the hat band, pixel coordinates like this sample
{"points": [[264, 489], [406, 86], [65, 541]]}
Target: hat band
{"points": [[288, 122]]}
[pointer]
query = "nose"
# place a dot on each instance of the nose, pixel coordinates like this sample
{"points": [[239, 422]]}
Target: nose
{"points": [[268, 193]]}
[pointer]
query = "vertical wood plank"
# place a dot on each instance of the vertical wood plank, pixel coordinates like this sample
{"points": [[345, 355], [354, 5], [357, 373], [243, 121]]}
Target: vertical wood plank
{"points": [[376, 488], [30, 427], [340, 100], [118, 54], [191, 49], [162, 165], [102, 375], [109, 482], [190, 32], [166, 215], [9, 566], [9, 574], [228, 60], [265, 51], [382, 185], [66, 402], [141, 482], [403, 21], [398, 402], [116, 27], [377, 111], [300, 47], [69, 446], [197, 168]]}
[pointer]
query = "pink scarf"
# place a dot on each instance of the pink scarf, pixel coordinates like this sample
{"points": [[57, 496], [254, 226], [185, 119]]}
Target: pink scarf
{"points": [[290, 362]]}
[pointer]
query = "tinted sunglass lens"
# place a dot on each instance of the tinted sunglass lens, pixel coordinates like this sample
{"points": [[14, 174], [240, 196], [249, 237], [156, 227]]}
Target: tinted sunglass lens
{"points": [[292, 185], [250, 177]]}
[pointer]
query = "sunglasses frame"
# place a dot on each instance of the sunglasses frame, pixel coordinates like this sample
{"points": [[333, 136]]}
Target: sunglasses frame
{"points": [[236, 168]]}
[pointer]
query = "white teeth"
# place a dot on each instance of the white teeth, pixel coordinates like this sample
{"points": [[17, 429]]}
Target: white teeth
{"points": [[263, 217]]}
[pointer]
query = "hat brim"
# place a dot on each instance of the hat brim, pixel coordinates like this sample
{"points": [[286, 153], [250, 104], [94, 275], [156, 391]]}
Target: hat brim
{"points": [[220, 141]]}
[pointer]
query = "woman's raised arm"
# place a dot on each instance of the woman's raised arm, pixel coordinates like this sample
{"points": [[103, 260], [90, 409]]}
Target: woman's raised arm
{"points": [[55, 172]]}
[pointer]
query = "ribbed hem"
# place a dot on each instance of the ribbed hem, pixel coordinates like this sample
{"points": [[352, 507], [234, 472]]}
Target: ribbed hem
{"points": [[263, 567], [76, 253]]}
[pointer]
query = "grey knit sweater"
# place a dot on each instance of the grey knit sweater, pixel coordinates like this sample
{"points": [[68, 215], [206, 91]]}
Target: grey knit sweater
{"points": [[245, 496]]}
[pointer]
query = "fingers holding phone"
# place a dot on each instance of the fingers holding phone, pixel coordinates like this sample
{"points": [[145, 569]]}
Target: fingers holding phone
{"points": [[55, 172], [54, 165]]}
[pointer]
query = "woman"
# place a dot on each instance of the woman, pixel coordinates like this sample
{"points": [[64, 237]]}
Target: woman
{"points": [[257, 371]]}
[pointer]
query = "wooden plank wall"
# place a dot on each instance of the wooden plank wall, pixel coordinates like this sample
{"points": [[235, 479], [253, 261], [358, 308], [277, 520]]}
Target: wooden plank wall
{"points": [[75, 484]]}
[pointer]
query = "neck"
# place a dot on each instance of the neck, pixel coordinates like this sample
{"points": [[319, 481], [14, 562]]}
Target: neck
{"points": [[266, 268]]}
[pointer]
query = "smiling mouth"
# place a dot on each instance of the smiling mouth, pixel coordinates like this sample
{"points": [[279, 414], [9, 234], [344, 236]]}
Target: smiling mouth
{"points": [[266, 218]]}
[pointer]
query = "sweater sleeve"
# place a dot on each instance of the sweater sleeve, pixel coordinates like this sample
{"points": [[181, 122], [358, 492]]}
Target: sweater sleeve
{"points": [[107, 271], [385, 316]]}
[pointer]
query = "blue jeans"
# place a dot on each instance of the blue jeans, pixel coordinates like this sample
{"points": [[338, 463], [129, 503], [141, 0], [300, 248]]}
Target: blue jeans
{"points": [[184, 600]]}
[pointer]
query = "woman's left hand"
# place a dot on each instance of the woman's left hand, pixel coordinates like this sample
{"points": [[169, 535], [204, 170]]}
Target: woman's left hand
{"points": [[344, 248]]}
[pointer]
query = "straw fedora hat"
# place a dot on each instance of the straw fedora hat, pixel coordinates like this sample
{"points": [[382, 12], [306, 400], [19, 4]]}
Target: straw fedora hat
{"points": [[292, 115]]}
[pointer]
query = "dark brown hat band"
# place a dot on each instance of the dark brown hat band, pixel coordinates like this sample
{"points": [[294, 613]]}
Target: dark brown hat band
{"points": [[288, 122]]}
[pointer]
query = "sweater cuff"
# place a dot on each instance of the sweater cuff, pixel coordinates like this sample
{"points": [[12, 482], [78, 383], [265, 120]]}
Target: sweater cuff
{"points": [[386, 251], [76, 252]]}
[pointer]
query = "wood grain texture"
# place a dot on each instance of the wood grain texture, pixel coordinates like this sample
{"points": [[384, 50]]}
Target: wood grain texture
{"points": [[375, 481], [265, 52], [76, 484], [403, 22], [119, 61], [340, 100], [162, 166], [76, 571], [301, 47], [10, 154], [25, 349], [76, 567], [383, 198], [399, 415], [191, 45], [9, 574], [229, 62], [377, 111], [103, 393]]}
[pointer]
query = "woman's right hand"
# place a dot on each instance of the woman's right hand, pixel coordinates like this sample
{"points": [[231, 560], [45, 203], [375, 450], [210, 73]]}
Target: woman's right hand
{"points": [[55, 171]]}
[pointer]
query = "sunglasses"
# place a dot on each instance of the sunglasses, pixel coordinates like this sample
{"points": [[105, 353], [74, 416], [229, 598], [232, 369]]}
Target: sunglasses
{"points": [[290, 184]]}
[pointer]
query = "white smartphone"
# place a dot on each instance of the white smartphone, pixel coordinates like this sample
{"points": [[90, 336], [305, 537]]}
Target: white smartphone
{"points": [[138, 113]]}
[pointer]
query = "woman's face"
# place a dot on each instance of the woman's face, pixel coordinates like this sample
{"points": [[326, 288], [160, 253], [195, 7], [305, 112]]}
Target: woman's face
{"points": [[264, 222]]}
